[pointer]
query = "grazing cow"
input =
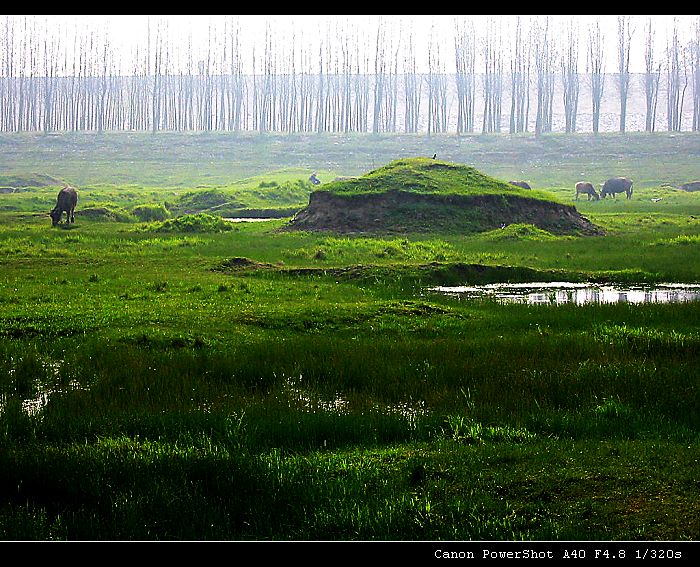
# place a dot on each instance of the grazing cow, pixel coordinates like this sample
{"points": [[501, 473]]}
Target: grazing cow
{"points": [[67, 200], [521, 184], [583, 187], [690, 186], [617, 185]]}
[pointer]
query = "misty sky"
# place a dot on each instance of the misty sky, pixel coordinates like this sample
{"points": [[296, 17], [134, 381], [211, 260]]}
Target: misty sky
{"points": [[126, 32]]}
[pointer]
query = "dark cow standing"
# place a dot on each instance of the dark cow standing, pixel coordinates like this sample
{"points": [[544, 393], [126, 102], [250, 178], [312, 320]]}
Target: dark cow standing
{"points": [[691, 186], [521, 184], [617, 185], [585, 188], [67, 200]]}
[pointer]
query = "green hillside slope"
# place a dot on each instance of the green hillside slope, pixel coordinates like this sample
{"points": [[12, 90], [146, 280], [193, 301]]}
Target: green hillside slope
{"points": [[429, 176]]}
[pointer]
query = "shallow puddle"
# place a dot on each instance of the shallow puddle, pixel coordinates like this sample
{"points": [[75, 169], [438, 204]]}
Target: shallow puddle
{"points": [[249, 219], [556, 293]]}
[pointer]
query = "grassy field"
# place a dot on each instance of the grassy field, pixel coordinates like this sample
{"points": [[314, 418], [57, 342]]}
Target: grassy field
{"points": [[166, 375]]}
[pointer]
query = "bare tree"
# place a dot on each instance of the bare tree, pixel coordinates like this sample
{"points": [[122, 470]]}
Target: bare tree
{"points": [[411, 88], [392, 88], [385, 93], [437, 88], [520, 81], [695, 66], [236, 84], [306, 92], [492, 79], [677, 81], [158, 80], [465, 59], [595, 66], [338, 80], [624, 42], [570, 78], [21, 79], [7, 105], [346, 109], [51, 63], [651, 79], [267, 86], [362, 92], [105, 69], [380, 65], [187, 90], [332, 103], [544, 56], [138, 86]]}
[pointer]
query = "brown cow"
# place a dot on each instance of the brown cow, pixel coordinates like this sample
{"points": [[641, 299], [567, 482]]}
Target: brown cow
{"points": [[587, 189], [66, 201]]}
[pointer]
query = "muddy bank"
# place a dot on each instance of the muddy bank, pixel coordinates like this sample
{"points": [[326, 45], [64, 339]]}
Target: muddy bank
{"points": [[398, 211]]}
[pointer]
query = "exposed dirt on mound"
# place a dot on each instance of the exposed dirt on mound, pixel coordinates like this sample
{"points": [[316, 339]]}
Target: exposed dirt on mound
{"points": [[400, 211], [241, 264], [97, 213]]}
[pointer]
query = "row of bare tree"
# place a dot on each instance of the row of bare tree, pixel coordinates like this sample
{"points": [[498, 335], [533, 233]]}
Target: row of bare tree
{"points": [[356, 81]]}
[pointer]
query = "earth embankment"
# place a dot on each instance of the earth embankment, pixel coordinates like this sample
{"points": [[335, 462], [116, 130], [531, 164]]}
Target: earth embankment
{"points": [[397, 211]]}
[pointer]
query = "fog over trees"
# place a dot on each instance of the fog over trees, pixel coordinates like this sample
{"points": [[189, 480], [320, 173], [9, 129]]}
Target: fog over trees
{"points": [[526, 74]]}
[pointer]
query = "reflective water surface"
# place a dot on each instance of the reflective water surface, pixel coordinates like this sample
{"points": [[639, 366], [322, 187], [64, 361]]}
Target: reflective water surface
{"points": [[579, 293], [249, 219]]}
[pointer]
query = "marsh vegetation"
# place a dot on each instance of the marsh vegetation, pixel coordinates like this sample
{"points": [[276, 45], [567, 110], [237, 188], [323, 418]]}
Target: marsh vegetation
{"points": [[169, 375]]}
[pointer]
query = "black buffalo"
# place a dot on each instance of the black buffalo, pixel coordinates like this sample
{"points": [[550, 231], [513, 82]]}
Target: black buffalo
{"points": [[585, 188], [66, 202], [617, 185], [691, 186], [522, 184]]}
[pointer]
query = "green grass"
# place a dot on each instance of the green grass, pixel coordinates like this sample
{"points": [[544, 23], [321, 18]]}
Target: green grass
{"points": [[187, 160], [423, 175], [267, 385]]}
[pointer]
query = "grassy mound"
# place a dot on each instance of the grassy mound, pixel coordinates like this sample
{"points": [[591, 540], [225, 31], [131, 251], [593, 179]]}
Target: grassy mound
{"points": [[244, 199], [202, 201], [425, 195], [429, 176], [518, 231], [100, 212], [201, 222]]}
